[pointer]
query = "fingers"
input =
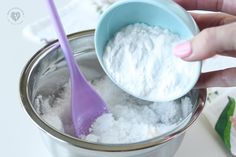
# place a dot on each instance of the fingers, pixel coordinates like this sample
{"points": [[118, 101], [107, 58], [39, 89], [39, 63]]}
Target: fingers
{"points": [[229, 53], [208, 42], [228, 6], [213, 5], [212, 19], [222, 78]]}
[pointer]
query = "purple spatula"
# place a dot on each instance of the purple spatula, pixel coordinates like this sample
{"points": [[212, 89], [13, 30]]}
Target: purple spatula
{"points": [[86, 104]]}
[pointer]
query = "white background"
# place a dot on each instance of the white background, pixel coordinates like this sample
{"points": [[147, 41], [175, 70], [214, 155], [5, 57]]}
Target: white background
{"points": [[18, 135]]}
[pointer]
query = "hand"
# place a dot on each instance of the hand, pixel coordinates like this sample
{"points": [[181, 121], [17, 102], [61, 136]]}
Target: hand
{"points": [[217, 36]]}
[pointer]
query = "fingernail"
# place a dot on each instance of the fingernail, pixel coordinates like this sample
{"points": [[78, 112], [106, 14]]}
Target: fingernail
{"points": [[183, 50]]}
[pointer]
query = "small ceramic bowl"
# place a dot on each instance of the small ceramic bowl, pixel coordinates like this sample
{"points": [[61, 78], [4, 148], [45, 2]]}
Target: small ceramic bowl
{"points": [[164, 13]]}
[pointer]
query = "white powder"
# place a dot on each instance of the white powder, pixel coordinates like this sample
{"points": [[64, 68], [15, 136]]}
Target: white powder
{"points": [[139, 59], [130, 119]]}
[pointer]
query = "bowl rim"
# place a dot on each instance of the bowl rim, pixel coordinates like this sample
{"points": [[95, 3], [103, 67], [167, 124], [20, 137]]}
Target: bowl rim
{"points": [[65, 138]]}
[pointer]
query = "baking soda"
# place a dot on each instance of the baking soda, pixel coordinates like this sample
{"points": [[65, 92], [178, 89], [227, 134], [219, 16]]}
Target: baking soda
{"points": [[139, 59], [130, 119]]}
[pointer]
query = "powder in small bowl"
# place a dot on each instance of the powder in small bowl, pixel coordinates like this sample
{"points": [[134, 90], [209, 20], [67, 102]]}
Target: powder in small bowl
{"points": [[139, 59]]}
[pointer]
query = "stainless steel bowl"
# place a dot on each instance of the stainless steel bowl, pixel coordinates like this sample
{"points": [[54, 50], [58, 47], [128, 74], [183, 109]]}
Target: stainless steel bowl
{"points": [[46, 71]]}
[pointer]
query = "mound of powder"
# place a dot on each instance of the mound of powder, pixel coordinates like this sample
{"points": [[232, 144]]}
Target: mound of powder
{"points": [[130, 119], [139, 59]]}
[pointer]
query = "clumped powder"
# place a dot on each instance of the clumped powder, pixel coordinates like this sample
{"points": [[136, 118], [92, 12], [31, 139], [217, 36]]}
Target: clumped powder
{"points": [[139, 59], [130, 119]]}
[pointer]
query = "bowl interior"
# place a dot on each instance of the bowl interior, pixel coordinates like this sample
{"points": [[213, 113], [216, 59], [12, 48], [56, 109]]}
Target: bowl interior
{"points": [[46, 72]]}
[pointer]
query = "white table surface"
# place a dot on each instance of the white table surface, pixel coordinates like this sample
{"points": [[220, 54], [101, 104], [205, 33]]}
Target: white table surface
{"points": [[18, 135]]}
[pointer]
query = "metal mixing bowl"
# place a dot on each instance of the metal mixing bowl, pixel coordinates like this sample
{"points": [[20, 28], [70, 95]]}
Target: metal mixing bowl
{"points": [[47, 71]]}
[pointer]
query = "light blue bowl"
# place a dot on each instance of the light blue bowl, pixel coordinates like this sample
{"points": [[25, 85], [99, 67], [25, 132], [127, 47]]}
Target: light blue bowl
{"points": [[164, 13]]}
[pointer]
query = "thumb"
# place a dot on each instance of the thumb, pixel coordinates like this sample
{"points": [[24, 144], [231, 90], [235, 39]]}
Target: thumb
{"points": [[207, 43]]}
